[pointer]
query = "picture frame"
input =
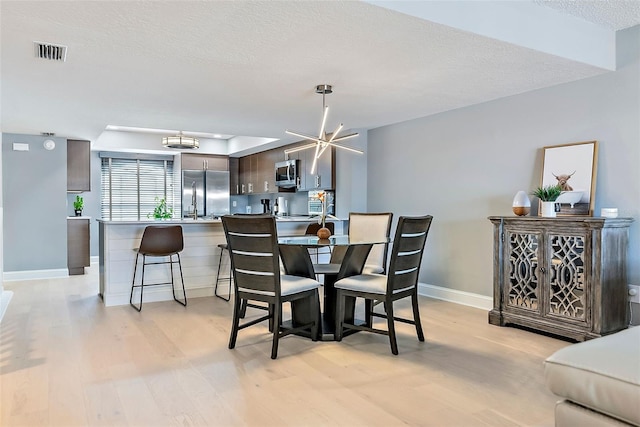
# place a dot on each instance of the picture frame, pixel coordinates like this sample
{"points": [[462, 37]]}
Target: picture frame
{"points": [[573, 166]]}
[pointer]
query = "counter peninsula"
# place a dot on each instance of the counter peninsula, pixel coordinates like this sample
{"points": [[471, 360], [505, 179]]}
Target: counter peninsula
{"points": [[119, 239]]}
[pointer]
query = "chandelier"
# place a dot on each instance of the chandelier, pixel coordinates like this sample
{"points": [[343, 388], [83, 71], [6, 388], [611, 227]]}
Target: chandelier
{"points": [[180, 141], [322, 142]]}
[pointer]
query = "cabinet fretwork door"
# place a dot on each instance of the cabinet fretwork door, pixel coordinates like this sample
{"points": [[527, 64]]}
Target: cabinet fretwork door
{"points": [[523, 284], [567, 291]]}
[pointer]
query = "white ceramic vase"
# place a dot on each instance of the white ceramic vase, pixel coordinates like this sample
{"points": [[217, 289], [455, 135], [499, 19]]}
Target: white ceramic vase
{"points": [[548, 209], [521, 203]]}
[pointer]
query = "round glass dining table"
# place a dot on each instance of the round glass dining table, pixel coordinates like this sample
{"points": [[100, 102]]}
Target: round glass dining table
{"points": [[348, 257]]}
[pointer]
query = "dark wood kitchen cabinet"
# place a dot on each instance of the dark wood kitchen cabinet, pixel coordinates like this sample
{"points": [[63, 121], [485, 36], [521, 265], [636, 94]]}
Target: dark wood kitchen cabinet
{"points": [[323, 177], [78, 165], [247, 174], [565, 276], [209, 162], [234, 176], [266, 170], [77, 245]]}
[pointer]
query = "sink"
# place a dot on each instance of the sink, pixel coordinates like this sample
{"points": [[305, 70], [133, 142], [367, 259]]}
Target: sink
{"points": [[570, 197]]}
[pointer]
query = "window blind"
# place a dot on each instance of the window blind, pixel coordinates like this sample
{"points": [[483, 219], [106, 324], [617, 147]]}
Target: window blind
{"points": [[131, 188]]}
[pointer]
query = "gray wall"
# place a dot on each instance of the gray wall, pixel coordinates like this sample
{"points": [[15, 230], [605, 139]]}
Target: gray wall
{"points": [[465, 165], [34, 187]]}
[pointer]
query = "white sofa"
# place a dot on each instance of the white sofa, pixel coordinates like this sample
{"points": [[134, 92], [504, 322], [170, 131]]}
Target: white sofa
{"points": [[598, 380]]}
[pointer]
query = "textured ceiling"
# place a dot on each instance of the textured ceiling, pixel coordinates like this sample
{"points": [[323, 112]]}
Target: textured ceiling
{"points": [[613, 14], [250, 67]]}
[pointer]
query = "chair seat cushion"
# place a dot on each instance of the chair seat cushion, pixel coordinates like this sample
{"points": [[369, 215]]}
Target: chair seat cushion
{"points": [[602, 374], [371, 283], [293, 284], [289, 285]]}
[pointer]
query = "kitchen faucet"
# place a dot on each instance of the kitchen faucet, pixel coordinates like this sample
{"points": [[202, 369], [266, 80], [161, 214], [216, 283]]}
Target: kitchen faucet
{"points": [[194, 200]]}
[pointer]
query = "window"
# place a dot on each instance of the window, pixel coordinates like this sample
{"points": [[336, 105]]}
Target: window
{"points": [[132, 184]]}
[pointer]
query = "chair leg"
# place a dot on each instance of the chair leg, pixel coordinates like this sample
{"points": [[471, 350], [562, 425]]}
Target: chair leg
{"points": [[215, 291], [416, 316], [243, 309], [277, 309], [368, 312], [316, 323], [184, 292], [236, 323], [391, 327], [337, 335], [133, 282]]}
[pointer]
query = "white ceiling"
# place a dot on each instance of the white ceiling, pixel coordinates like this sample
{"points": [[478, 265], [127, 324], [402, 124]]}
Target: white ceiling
{"points": [[251, 67]]}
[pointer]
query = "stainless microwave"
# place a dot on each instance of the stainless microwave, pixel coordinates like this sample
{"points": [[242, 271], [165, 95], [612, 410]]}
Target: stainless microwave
{"points": [[287, 174]]}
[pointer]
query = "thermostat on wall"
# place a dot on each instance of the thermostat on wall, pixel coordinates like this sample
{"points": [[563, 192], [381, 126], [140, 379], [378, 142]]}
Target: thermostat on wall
{"points": [[20, 146]]}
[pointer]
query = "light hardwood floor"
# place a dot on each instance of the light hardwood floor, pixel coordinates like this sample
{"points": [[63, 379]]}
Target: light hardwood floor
{"points": [[66, 360]]}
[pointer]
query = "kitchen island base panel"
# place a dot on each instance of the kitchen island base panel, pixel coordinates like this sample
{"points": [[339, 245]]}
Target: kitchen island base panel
{"points": [[118, 241]]}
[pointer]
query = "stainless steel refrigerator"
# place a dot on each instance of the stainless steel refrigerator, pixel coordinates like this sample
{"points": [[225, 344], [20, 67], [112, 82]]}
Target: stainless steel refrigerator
{"points": [[211, 193]]}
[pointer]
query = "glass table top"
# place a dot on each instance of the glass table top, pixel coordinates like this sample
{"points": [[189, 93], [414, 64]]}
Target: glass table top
{"points": [[337, 240]]}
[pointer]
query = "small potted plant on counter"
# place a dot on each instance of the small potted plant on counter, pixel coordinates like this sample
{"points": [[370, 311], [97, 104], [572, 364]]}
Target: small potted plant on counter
{"points": [[161, 211], [548, 196], [78, 204]]}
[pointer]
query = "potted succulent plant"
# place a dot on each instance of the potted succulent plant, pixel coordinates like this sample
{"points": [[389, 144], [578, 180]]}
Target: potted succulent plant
{"points": [[548, 196], [161, 211], [78, 205]]}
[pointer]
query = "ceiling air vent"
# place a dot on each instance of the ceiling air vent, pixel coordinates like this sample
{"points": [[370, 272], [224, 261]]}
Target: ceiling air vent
{"points": [[52, 52]]}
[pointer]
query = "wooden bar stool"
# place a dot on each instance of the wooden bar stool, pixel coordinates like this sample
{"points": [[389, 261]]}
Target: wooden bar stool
{"points": [[223, 247], [159, 242]]}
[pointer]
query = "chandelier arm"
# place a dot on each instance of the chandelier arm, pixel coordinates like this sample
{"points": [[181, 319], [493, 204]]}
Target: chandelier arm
{"points": [[347, 148], [324, 122], [342, 138], [301, 135], [302, 147], [336, 132], [324, 147], [315, 160]]}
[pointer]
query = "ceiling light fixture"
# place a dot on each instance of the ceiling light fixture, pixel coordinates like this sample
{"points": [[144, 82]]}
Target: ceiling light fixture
{"points": [[322, 142], [180, 141]]}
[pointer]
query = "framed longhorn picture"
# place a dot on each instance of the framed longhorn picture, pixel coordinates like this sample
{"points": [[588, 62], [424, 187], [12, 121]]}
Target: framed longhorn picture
{"points": [[573, 168]]}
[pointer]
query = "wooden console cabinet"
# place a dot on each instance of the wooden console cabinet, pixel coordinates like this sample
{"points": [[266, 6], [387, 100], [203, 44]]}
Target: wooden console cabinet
{"points": [[565, 276]]}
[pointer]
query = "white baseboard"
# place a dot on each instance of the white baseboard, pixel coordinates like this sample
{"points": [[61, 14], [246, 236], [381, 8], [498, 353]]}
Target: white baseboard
{"points": [[10, 276], [459, 297], [5, 297]]}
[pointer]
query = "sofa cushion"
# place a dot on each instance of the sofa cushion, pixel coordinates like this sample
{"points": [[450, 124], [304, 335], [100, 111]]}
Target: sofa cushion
{"points": [[602, 374]]}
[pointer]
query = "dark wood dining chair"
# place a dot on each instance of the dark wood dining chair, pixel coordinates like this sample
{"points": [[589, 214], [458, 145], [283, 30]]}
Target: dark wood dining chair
{"points": [[401, 281], [255, 262], [159, 241]]}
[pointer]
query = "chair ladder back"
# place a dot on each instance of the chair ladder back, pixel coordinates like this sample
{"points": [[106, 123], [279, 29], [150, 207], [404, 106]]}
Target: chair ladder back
{"points": [[406, 254], [253, 248]]}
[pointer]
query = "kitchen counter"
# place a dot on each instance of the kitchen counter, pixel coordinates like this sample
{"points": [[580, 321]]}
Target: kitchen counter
{"points": [[119, 239]]}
